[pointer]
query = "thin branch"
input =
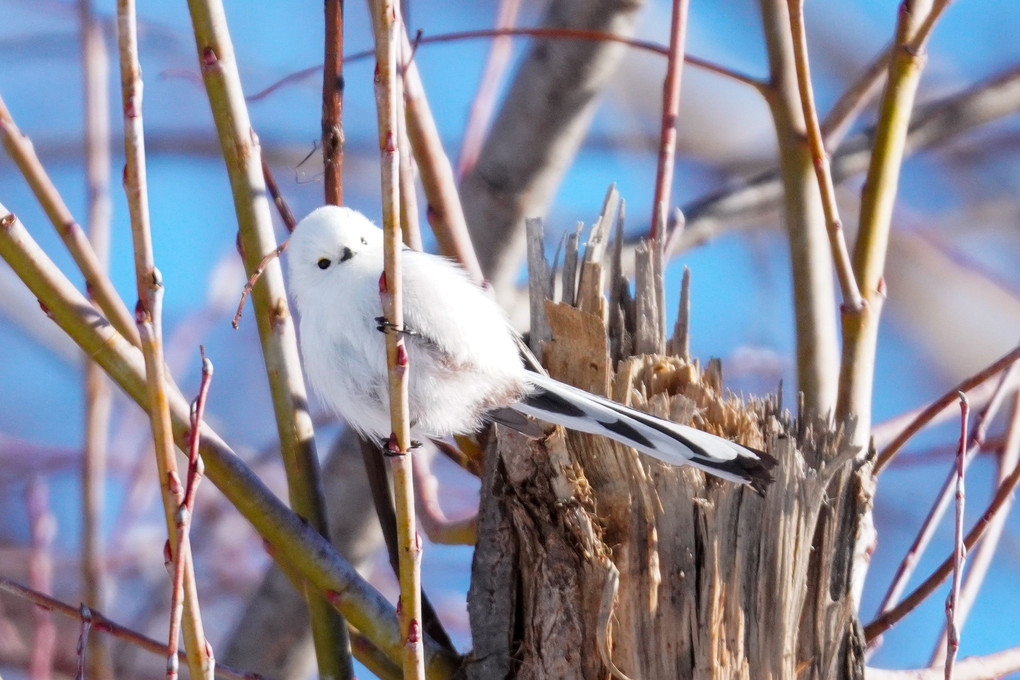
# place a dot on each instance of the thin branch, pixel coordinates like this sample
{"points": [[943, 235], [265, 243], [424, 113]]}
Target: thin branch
{"points": [[83, 641], [42, 528], [936, 407], [294, 543], [670, 113], [820, 157], [333, 103], [853, 100], [99, 622], [387, 92], [249, 285], [98, 392], [990, 667], [185, 513], [382, 499], [444, 210], [433, 520], [242, 154], [982, 558], [410, 226], [1000, 500], [484, 101], [931, 522], [558, 33], [21, 151], [945, 119], [274, 191], [148, 316], [959, 553]]}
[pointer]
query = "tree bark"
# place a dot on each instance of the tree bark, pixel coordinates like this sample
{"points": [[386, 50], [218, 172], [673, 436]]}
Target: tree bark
{"points": [[714, 580]]}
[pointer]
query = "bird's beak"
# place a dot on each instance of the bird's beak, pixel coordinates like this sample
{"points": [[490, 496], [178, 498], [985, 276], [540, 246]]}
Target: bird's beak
{"points": [[346, 254]]}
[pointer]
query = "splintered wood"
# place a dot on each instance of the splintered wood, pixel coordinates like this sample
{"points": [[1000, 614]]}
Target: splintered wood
{"points": [[715, 581]]}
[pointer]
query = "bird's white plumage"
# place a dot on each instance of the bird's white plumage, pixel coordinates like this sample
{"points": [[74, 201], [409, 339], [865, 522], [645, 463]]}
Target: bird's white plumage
{"points": [[462, 358], [462, 354]]}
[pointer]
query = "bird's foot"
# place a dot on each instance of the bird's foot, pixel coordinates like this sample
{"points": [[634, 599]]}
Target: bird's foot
{"points": [[384, 325], [391, 448]]}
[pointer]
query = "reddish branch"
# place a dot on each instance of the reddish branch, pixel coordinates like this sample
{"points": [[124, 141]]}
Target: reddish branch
{"points": [[484, 102], [1001, 499], [670, 112], [936, 406], [931, 522], [99, 622], [184, 514], [556, 33], [333, 103]]}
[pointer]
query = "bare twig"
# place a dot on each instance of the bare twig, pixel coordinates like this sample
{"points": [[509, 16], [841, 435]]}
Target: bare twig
{"points": [[820, 156], [382, 499], [333, 103], [939, 404], [853, 100], [1000, 500], [433, 520], [670, 113], [931, 522], [990, 667], [21, 151], [555, 33], [98, 393], [148, 316], [982, 557], [43, 527], [249, 285], [185, 513], [100, 623], [274, 190], [484, 101], [410, 226], [388, 28], [83, 641], [959, 553], [444, 212]]}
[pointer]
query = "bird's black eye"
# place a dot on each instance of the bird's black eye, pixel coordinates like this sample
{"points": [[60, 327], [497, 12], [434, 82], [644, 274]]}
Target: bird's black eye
{"points": [[324, 263], [363, 241]]}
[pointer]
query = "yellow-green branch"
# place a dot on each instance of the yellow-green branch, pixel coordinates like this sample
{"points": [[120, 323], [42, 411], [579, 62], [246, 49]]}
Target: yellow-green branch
{"points": [[293, 542]]}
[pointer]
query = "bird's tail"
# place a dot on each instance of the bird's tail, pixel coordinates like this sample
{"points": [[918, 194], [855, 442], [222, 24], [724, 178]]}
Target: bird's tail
{"points": [[672, 443]]}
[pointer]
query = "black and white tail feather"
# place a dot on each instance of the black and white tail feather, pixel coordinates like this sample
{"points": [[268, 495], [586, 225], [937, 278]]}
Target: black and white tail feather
{"points": [[561, 404]]}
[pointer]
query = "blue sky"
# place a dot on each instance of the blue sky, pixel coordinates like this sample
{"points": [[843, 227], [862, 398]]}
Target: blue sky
{"points": [[741, 286]]}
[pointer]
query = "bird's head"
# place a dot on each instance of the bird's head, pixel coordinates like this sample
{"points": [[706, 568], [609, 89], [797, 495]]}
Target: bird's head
{"points": [[324, 242]]}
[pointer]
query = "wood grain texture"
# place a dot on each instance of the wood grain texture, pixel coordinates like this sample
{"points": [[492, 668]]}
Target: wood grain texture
{"points": [[715, 581]]}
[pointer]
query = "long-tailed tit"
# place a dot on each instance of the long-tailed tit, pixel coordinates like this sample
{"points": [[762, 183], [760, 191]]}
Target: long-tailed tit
{"points": [[464, 364]]}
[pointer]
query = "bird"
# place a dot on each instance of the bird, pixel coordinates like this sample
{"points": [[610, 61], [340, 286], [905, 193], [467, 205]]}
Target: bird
{"points": [[464, 363]]}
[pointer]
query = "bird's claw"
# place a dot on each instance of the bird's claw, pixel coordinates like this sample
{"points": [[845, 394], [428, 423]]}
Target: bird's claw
{"points": [[384, 325], [391, 449]]}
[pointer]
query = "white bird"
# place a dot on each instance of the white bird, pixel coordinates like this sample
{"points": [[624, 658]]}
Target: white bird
{"points": [[464, 363]]}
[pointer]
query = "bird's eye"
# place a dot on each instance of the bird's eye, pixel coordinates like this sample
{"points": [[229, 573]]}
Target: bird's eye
{"points": [[363, 241], [324, 263]]}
